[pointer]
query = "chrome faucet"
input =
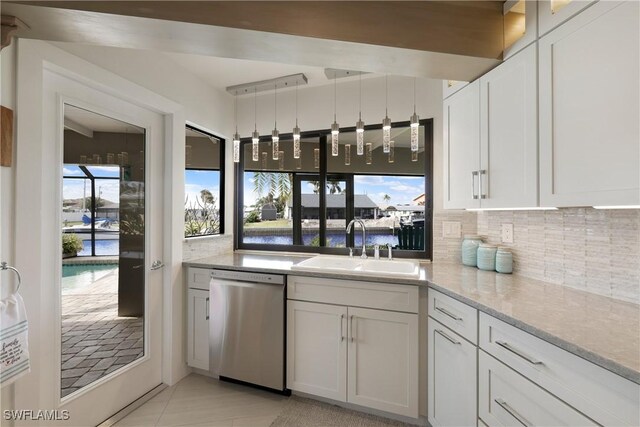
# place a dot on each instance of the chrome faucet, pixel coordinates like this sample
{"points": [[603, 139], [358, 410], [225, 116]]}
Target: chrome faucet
{"points": [[364, 235]]}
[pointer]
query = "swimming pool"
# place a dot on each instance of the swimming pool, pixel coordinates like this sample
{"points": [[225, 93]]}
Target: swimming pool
{"points": [[78, 276], [103, 247]]}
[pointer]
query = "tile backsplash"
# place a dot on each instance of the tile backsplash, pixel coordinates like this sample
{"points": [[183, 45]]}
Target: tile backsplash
{"points": [[448, 249], [200, 247], [594, 250]]}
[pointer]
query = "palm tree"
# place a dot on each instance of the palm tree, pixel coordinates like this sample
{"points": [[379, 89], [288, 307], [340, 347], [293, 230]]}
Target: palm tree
{"points": [[333, 185], [386, 198], [207, 197], [275, 183]]}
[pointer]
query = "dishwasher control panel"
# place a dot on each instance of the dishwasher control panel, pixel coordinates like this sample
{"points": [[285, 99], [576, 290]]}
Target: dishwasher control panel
{"points": [[247, 276]]}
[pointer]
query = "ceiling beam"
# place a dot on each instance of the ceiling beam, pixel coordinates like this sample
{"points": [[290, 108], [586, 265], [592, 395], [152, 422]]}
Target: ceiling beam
{"points": [[470, 28], [76, 26]]}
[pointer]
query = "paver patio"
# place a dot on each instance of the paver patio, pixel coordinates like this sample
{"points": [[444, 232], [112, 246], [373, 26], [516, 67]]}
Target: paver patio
{"points": [[95, 341]]}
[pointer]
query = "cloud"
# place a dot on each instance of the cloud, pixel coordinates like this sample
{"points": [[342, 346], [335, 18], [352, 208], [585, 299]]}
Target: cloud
{"points": [[72, 172]]}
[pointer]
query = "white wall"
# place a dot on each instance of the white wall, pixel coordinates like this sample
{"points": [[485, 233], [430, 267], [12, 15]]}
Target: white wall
{"points": [[7, 192]]}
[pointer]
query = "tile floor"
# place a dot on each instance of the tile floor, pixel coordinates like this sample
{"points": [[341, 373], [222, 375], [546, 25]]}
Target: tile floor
{"points": [[201, 401], [95, 341]]}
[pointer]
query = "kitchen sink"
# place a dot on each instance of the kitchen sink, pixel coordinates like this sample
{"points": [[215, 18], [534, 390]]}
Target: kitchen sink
{"points": [[359, 266]]}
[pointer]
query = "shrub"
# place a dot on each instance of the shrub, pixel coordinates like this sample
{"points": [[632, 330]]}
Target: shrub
{"points": [[253, 216], [71, 244]]}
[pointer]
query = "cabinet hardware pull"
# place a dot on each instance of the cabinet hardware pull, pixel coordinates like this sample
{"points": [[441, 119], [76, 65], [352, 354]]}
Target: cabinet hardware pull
{"points": [[481, 173], [517, 352], [341, 334], [447, 337], [351, 328], [473, 184], [207, 311], [448, 313], [504, 405]]}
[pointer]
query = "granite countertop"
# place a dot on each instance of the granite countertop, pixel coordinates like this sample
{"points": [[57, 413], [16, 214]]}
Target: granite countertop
{"points": [[602, 330]]}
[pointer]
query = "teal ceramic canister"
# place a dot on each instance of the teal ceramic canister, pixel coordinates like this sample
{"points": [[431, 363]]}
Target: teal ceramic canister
{"points": [[504, 260], [470, 245], [487, 257]]}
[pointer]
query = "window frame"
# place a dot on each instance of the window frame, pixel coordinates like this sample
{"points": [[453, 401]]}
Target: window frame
{"points": [[322, 172], [221, 169]]}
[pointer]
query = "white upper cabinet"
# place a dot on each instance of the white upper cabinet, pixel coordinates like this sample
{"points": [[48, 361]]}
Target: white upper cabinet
{"points": [[589, 128], [461, 135], [491, 139], [449, 87], [520, 25], [508, 133], [552, 13]]}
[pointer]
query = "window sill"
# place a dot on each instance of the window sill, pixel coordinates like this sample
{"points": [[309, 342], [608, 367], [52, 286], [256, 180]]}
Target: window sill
{"points": [[207, 237]]}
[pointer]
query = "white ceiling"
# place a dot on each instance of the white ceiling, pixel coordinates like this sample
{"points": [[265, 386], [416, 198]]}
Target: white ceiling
{"points": [[223, 72]]}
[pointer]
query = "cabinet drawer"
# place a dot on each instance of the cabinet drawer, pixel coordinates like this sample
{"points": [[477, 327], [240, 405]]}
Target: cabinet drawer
{"points": [[359, 294], [198, 278], [454, 314], [508, 399], [603, 396]]}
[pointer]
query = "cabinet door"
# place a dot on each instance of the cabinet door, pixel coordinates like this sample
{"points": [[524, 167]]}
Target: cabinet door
{"points": [[509, 399], [552, 13], [461, 136], [198, 329], [589, 108], [317, 349], [449, 87], [509, 134], [452, 378], [383, 360]]}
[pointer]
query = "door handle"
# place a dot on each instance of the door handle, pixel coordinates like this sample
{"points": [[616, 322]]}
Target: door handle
{"points": [[157, 265], [341, 322], [473, 184], [447, 337], [482, 172], [207, 310], [351, 328], [515, 414], [448, 313], [518, 353]]}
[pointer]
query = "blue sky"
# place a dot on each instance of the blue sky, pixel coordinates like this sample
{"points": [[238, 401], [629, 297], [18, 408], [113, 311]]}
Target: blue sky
{"points": [[197, 180]]}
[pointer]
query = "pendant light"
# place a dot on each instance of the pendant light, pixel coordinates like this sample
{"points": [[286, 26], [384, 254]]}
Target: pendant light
{"points": [[236, 136], [386, 122], [335, 128], [275, 135], [415, 122], [255, 136], [296, 131], [360, 124]]}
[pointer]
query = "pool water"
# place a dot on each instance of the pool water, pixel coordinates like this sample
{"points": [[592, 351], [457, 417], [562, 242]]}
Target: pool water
{"points": [[103, 247], [76, 277]]}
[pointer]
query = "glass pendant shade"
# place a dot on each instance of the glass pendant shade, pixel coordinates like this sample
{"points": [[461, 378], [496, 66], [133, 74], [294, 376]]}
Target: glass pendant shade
{"points": [[414, 156], [391, 151], [298, 163], [368, 153], [255, 145], [360, 137], [347, 154], [335, 131], [236, 147], [275, 139], [415, 123], [386, 134], [296, 142]]}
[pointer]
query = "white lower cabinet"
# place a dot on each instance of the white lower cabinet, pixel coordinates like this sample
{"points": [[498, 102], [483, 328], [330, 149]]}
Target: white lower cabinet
{"points": [[383, 360], [198, 328], [509, 399], [317, 349], [364, 356], [452, 378]]}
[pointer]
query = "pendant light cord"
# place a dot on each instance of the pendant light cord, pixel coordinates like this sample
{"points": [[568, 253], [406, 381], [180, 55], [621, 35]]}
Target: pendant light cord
{"points": [[255, 109], [235, 106], [275, 107], [414, 95], [386, 94], [334, 97], [296, 103], [360, 95]]}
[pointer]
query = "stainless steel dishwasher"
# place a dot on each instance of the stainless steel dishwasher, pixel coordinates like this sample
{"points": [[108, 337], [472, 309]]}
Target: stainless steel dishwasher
{"points": [[246, 324]]}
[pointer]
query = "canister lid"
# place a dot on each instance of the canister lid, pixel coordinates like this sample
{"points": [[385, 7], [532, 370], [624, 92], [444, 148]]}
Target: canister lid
{"points": [[504, 249], [488, 246]]}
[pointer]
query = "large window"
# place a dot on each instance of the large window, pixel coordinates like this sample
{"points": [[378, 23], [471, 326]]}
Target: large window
{"points": [[204, 184], [306, 204]]}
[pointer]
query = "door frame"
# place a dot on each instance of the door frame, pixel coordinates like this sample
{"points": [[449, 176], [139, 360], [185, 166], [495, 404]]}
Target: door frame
{"points": [[39, 389]]}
